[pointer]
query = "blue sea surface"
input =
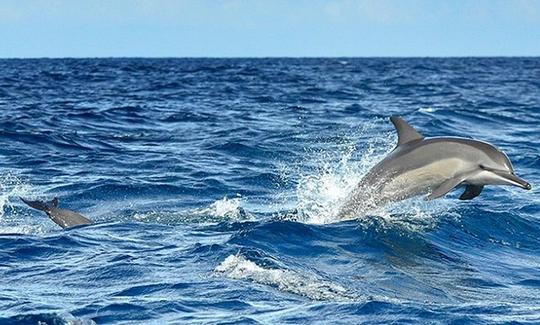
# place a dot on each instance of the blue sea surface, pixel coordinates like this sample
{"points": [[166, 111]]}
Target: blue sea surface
{"points": [[214, 184]]}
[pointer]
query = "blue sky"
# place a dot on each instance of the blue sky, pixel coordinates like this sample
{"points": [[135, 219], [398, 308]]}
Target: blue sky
{"points": [[255, 28]]}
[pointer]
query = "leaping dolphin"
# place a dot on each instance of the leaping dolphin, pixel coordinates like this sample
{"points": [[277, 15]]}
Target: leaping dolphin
{"points": [[436, 166], [62, 217]]}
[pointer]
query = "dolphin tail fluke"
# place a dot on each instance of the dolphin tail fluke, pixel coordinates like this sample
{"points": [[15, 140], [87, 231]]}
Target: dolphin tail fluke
{"points": [[41, 205]]}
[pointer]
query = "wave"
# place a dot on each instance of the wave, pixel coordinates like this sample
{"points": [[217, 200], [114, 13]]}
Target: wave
{"points": [[46, 318], [237, 267], [221, 210]]}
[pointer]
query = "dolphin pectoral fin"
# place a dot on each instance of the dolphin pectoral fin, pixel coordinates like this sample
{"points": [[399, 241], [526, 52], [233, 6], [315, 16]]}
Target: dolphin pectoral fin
{"points": [[450, 184], [471, 191], [444, 188], [406, 133]]}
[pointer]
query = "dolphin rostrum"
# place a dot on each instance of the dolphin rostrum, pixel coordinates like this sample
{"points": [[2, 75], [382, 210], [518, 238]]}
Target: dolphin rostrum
{"points": [[62, 217], [436, 166]]}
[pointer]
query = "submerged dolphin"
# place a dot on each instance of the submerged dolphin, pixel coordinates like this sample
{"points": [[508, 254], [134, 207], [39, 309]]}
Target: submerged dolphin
{"points": [[62, 217], [437, 165]]}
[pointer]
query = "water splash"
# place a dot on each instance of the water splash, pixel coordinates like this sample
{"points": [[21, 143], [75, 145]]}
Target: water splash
{"points": [[321, 192], [11, 187], [12, 220], [225, 208], [240, 268], [414, 214]]}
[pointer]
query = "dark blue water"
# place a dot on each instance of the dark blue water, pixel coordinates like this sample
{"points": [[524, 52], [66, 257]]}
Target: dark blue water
{"points": [[213, 184]]}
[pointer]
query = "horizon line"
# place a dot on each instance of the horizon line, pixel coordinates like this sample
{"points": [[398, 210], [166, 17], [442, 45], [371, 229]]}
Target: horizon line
{"points": [[271, 57]]}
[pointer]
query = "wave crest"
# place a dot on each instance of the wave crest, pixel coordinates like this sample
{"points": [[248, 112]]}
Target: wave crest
{"points": [[237, 267]]}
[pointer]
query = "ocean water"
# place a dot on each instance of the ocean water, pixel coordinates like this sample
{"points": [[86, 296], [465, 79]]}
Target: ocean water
{"points": [[213, 184]]}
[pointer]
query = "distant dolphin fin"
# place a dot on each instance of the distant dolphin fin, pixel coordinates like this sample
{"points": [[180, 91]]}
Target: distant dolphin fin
{"points": [[62, 217], [406, 133], [471, 191], [39, 205]]}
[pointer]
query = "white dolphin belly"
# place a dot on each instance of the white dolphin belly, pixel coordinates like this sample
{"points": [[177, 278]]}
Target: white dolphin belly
{"points": [[421, 180]]}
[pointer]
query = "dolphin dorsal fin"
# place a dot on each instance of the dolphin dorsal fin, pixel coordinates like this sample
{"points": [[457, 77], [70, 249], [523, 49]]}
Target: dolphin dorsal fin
{"points": [[406, 133]]}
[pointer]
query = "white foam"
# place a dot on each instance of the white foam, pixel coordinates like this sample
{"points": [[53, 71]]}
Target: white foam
{"points": [[415, 214], [69, 319], [226, 208], [237, 267], [11, 187], [427, 109], [12, 220], [22, 230]]}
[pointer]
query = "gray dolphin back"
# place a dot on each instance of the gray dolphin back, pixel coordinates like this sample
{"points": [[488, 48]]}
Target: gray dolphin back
{"points": [[62, 217]]}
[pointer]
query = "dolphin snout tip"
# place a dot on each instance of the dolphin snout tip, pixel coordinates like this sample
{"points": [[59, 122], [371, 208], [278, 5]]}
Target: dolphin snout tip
{"points": [[527, 186]]}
